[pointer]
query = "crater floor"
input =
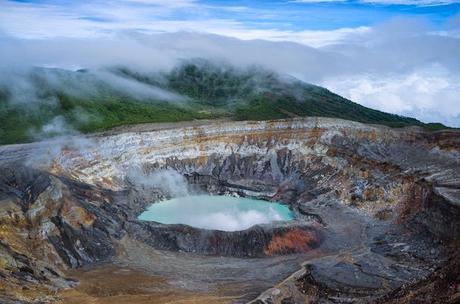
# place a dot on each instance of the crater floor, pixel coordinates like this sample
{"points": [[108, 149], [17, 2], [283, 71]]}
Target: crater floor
{"points": [[376, 215]]}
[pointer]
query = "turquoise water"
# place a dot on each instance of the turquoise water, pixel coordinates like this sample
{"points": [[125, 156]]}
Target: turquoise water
{"points": [[226, 213]]}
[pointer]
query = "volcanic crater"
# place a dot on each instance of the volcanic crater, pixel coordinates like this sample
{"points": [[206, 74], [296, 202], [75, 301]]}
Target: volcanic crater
{"points": [[376, 210]]}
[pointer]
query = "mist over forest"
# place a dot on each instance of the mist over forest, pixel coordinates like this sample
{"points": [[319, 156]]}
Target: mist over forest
{"points": [[60, 85]]}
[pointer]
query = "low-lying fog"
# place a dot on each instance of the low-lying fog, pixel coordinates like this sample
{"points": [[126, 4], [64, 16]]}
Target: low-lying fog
{"points": [[403, 66]]}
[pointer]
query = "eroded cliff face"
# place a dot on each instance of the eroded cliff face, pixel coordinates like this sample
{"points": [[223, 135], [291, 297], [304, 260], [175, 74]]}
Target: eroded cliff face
{"points": [[378, 207]]}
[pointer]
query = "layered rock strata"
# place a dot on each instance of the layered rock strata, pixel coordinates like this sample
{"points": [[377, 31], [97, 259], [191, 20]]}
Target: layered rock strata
{"points": [[380, 206]]}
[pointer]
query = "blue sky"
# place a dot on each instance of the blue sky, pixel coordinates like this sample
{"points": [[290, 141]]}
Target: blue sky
{"points": [[328, 15], [247, 19], [399, 56]]}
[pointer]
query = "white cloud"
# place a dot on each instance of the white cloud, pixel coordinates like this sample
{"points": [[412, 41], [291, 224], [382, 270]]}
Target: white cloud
{"points": [[413, 2], [311, 38], [48, 21], [414, 73], [169, 3], [403, 67], [431, 94], [316, 1], [389, 2]]}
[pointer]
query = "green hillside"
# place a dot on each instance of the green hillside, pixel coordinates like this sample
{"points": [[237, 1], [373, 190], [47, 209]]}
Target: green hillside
{"points": [[59, 102]]}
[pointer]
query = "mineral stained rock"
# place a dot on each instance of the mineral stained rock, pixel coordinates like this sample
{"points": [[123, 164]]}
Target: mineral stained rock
{"points": [[377, 212]]}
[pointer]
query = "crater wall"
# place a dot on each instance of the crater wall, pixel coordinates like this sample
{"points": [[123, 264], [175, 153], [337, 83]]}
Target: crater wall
{"points": [[71, 203]]}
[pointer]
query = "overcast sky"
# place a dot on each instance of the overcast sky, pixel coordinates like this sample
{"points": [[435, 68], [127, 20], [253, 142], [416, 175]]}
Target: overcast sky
{"points": [[400, 56]]}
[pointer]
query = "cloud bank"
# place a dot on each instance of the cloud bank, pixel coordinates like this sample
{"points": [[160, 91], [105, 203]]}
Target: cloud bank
{"points": [[403, 66], [406, 66]]}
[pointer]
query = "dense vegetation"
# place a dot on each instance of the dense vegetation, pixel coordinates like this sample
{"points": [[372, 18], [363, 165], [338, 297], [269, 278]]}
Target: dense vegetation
{"points": [[66, 101]]}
